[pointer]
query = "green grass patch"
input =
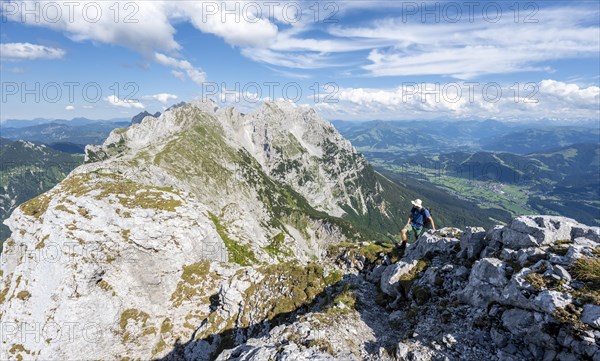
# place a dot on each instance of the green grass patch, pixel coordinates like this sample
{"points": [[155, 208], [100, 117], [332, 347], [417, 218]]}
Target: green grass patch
{"points": [[37, 206], [277, 247], [238, 253], [587, 269]]}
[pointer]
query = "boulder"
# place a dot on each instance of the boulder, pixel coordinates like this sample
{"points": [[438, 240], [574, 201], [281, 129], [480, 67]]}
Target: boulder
{"points": [[472, 242], [518, 291], [591, 315], [495, 234], [392, 274], [575, 251], [429, 244], [518, 321], [591, 233], [486, 282], [375, 275], [548, 301], [562, 273], [527, 256], [535, 231]]}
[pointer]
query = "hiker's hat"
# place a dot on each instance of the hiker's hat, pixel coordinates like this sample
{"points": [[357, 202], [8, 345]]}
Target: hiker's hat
{"points": [[417, 203]]}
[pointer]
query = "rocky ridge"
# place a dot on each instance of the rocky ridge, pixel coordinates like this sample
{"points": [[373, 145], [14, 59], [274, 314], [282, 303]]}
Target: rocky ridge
{"points": [[525, 291], [171, 214]]}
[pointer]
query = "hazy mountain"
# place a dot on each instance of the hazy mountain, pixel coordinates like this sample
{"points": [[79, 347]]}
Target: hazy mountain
{"points": [[23, 123], [376, 138], [93, 132], [537, 140]]}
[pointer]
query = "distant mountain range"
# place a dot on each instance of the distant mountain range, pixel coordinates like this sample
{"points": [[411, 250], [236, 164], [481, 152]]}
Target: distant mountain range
{"points": [[402, 137], [79, 133], [70, 136], [23, 123], [532, 140]]}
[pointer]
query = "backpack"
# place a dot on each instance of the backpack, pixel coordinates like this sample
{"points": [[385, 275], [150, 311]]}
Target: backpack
{"points": [[426, 221]]}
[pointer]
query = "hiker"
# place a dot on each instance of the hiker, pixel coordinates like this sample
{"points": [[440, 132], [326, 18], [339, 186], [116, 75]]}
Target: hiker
{"points": [[418, 219]]}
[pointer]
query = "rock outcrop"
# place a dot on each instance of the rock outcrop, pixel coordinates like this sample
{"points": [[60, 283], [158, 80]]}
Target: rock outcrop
{"points": [[188, 225], [525, 291]]}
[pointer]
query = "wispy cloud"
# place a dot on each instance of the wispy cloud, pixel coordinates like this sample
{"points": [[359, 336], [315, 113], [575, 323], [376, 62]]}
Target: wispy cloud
{"points": [[388, 46], [28, 51], [466, 50], [196, 75]]}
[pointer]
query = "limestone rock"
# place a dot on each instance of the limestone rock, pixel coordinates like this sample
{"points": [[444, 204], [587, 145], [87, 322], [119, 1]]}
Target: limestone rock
{"points": [[393, 274], [472, 241], [487, 279], [591, 315]]}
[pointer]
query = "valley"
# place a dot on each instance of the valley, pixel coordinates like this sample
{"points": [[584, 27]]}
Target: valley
{"points": [[554, 177]]}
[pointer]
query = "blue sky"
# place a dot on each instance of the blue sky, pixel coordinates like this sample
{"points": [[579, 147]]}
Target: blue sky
{"points": [[351, 59]]}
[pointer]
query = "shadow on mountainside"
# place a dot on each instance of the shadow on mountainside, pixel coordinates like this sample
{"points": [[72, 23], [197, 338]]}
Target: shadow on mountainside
{"points": [[372, 314]]}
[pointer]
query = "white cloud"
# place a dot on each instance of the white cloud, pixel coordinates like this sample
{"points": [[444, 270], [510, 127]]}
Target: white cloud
{"points": [[550, 99], [197, 75], [291, 60], [142, 25], [235, 22], [466, 50], [570, 91], [178, 74], [146, 26], [124, 103], [28, 51], [395, 47], [69, 107], [162, 97]]}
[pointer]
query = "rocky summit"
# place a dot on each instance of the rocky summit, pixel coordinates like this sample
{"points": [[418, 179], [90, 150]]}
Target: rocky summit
{"points": [[208, 234]]}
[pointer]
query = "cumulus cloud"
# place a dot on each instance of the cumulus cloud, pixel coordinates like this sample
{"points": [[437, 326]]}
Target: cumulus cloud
{"points": [[570, 92], [146, 26], [196, 75], [69, 107], [162, 97], [123, 103], [28, 51], [549, 99], [142, 25]]}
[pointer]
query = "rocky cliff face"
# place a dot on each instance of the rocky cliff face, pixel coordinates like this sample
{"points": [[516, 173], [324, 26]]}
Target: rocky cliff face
{"points": [[168, 216], [208, 234]]}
